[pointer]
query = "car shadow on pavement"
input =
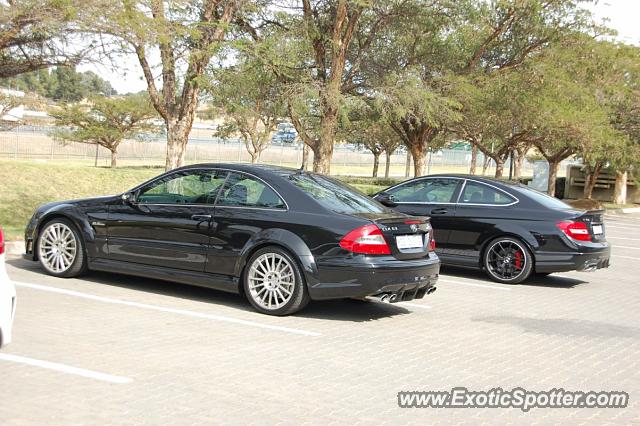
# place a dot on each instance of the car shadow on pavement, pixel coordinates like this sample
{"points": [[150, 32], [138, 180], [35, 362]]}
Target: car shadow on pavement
{"points": [[352, 310], [338, 310], [564, 326], [551, 281]]}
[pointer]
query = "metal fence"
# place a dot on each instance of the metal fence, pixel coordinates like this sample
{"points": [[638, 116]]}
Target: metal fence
{"points": [[35, 143]]}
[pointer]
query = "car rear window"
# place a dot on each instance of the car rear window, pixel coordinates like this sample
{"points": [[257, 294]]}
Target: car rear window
{"points": [[334, 195], [544, 199]]}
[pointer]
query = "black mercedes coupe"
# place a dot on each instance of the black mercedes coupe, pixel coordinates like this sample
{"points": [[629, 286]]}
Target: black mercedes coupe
{"points": [[506, 228], [279, 236]]}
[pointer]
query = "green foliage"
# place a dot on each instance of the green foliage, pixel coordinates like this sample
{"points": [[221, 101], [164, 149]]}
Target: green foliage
{"points": [[37, 34], [106, 122], [61, 84], [251, 98]]}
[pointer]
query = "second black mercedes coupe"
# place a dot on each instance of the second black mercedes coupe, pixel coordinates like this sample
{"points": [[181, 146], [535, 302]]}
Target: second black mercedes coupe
{"points": [[280, 236], [505, 228]]}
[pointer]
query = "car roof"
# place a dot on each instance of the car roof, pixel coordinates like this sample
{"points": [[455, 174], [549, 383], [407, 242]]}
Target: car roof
{"points": [[257, 169], [485, 179]]}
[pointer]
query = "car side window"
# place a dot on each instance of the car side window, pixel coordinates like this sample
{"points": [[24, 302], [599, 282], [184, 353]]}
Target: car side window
{"points": [[242, 190], [432, 190], [184, 187], [479, 193]]}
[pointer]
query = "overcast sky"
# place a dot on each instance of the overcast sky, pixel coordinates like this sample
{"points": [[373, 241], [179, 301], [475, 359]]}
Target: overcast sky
{"points": [[622, 16]]}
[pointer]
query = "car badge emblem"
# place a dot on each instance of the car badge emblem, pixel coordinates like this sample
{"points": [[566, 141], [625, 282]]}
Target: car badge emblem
{"points": [[414, 228]]}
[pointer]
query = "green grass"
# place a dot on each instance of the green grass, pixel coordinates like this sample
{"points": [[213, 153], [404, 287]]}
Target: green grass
{"points": [[26, 184]]}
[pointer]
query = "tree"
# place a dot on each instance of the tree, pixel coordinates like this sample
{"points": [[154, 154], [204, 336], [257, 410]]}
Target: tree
{"points": [[36, 34], [185, 36], [62, 83], [462, 38], [494, 116], [8, 102], [569, 113], [417, 112], [621, 96], [107, 122], [249, 95], [327, 43], [365, 125]]}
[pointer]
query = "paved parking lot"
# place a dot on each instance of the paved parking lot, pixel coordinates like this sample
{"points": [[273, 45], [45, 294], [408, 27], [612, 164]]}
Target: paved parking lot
{"points": [[110, 349]]}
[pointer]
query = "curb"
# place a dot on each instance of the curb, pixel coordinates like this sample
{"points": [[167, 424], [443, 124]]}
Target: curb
{"points": [[14, 247]]}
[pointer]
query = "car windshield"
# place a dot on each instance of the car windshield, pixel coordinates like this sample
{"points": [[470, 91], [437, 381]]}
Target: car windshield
{"points": [[544, 199], [334, 195]]}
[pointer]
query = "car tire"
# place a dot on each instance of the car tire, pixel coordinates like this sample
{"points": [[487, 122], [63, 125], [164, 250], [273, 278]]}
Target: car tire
{"points": [[273, 282], [61, 249], [507, 260]]}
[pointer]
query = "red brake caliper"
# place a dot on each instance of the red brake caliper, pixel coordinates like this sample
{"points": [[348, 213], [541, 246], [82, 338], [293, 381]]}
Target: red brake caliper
{"points": [[518, 259]]}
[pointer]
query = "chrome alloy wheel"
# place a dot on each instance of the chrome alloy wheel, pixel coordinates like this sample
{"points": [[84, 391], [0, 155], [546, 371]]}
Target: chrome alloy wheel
{"points": [[271, 281], [57, 247]]}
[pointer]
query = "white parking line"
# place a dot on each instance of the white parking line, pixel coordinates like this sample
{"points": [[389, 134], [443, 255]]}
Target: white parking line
{"points": [[415, 305], [475, 285], [626, 257], [65, 369], [627, 247], [620, 225], [168, 310], [609, 237]]}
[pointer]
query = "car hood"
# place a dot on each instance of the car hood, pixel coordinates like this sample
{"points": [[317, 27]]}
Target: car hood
{"points": [[82, 202]]}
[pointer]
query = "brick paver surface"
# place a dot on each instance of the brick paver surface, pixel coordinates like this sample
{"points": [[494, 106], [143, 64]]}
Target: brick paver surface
{"points": [[577, 331]]}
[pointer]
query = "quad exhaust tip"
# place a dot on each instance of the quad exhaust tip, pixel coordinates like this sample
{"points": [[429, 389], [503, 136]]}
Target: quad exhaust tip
{"points": [[432, 289], [388, 298]]}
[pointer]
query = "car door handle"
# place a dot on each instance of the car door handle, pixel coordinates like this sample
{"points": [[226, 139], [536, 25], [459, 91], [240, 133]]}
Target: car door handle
{"points": [[439, 211], [201, 217]]}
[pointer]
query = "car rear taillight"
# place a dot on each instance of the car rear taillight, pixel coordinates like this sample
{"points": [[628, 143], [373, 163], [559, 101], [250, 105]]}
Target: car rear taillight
{"points": [[575, 230], [432, 242], [1, 242], [367, 239]]}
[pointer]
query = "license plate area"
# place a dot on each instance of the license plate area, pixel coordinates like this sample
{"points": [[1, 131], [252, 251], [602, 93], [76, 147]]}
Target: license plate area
{"points": [[597, 229], [406, 242]]}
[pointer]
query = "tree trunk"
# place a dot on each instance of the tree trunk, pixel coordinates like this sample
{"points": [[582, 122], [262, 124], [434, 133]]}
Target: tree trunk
{"points": [[114, 159], [517, 164], [387, 164], [419, 154], [305, 156], [620, 190], [590, 179], [474, 160], [499, 168], [376, 163], [177, 138], [322, 158], [485, 165], [553, 175], [254, 157], [323, 149], [407, 168]]}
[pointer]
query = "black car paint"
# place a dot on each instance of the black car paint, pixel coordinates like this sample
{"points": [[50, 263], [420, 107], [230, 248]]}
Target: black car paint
{"points": [[462, 231], [178, 242]]}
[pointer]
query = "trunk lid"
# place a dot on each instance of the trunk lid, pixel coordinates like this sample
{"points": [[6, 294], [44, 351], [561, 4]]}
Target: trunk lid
{"points": [[408, 237], [595, 224]]}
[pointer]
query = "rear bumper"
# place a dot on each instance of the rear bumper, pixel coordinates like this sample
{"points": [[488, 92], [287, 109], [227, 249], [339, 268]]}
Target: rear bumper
{"points": [[573, 261], [367, 276]]}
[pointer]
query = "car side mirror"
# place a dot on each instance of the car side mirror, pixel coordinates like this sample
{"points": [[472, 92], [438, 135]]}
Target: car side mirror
{"points": [[386, 199], [128, 198]]}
